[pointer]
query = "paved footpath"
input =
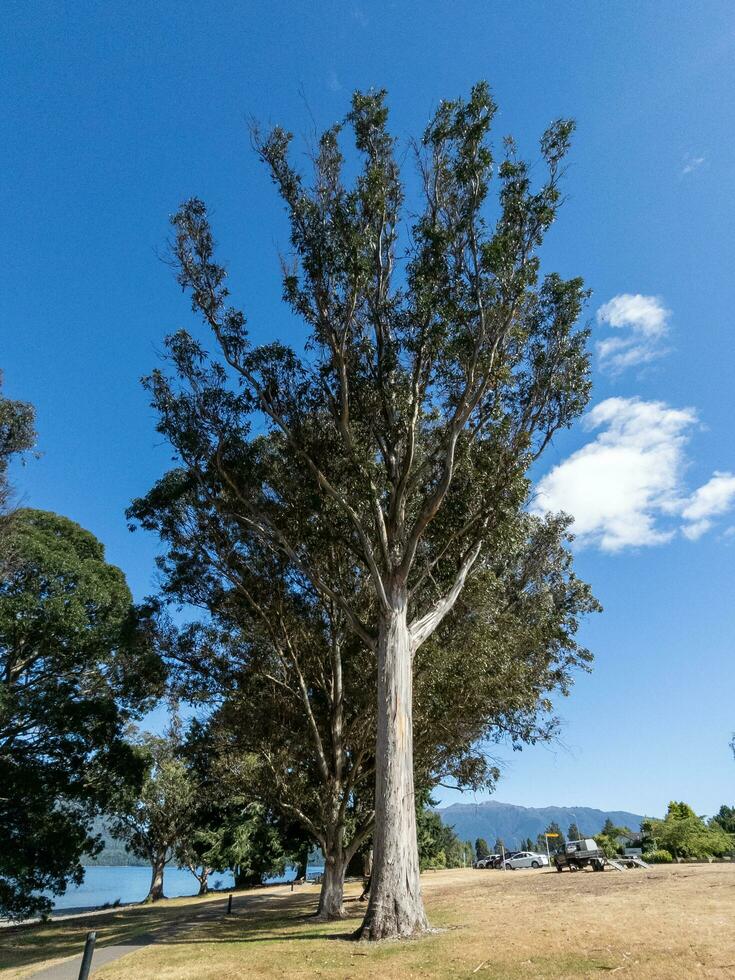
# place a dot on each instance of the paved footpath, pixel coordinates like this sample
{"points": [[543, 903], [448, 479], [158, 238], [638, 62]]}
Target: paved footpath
{"points": [[69, 969]]}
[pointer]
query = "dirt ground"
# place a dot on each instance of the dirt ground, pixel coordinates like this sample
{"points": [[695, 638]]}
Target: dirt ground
{"points": [[669, 922]]}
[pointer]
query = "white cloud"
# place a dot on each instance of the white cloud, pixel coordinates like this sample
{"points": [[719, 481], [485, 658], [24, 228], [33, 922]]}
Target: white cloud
{"points": [[643, 313], [695, 530], [713, 499], [625, 488], [643, 323], [691, 164]]}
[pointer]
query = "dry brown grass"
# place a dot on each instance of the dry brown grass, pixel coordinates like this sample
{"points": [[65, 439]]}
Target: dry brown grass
{"points": [[668, 923]]}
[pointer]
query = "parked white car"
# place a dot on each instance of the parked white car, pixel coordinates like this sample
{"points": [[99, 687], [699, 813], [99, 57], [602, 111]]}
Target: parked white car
{"points": [[526, 859], [489, 861]]}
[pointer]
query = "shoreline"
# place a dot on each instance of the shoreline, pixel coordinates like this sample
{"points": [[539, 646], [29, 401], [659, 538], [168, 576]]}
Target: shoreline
{"points": [[95, 911]]}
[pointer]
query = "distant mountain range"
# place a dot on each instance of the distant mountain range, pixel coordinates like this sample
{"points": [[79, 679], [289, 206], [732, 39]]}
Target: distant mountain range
{"points": [[514, 823], [470, 821]]}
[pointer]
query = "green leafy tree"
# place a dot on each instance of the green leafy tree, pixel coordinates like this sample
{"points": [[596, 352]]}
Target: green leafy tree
{"points": [[248, 842], [17, 437], [295, 686], [437, 368], [499, 846], [161, 817], [481, 848], [292, 691], [231, 828], [609, 838], [725, 818], [574, 833], [460, 853], [684, 834], [438, 844], [77, 661]]}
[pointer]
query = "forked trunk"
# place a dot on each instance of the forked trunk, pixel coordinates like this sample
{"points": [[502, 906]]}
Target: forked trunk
{"points": [[331, 896], [158, 865], [203, 879], [396, 908]]}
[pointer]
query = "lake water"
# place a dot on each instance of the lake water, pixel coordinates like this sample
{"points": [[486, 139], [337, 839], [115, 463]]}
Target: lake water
{"points": [[106, 885]]}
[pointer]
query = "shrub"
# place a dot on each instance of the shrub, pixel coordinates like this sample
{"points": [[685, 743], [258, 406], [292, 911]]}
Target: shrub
{"points": [[660, 856]]}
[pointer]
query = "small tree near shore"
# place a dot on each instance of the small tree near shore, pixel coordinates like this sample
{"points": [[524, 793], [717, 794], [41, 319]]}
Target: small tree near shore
{"points": [[161, 817]]}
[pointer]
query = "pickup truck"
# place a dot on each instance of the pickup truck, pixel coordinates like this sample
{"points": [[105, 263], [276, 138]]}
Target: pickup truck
{"points": [[578, 854]]}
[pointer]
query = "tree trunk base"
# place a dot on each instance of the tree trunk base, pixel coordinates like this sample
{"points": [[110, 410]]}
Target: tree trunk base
{"points": [[149, 899], [330, 916], [331, 897], [380, 931], [393, 921]]}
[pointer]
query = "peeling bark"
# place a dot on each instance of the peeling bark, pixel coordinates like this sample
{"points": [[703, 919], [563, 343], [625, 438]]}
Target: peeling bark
{"points": [[158, 866], [396, 907], [331, 896]]}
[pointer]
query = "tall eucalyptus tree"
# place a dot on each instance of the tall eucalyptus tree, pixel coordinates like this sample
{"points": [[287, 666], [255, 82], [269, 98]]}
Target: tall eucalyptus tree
{"points": [[437, 368]]}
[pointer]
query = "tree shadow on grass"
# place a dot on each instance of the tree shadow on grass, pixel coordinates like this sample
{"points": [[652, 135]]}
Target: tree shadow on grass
{"points": [[141, 925], [256, 918], [253, 922], [262, 924], [22, 946]]}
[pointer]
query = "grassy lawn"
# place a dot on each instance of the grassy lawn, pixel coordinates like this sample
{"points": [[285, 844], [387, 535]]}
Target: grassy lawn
{"points": [[670, 922], [25, 949]]}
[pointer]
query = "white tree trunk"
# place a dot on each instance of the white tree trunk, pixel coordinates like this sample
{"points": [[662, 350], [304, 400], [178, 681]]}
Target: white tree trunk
{"points": [[396, 908], [331, 897]]}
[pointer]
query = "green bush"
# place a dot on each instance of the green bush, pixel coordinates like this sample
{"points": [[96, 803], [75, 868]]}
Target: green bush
{"points": [[657, 857]]}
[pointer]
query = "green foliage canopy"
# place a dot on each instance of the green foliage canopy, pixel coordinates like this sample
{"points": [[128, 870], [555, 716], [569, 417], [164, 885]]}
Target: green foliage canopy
{"points": [[157, 818], [76, 662], [725, 818], [437, 367], [439, 846], [684, 834], [17, 436]]}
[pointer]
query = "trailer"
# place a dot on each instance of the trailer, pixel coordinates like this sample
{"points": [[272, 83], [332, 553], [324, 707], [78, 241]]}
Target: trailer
{"points": [[580, 854]]}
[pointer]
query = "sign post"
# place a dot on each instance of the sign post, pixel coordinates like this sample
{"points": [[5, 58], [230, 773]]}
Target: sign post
{"points": [[548, 855]]}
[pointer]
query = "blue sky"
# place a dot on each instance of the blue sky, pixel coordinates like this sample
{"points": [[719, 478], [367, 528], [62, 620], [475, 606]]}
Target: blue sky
{"points": [[111, 114]]}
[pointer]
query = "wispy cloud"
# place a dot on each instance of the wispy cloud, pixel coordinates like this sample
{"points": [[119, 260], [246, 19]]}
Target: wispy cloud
{"points": [[333, 82], [625, 488], [714, 498], [691, 164], [642, 322]]}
